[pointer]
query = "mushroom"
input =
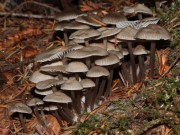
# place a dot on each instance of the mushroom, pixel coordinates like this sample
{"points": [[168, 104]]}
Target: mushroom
{"points": [[153, 33], [96, 72], [87, 84], [127, 34], [85, 34], [20, 108], [75, 88], [61, 98], [35, 102], [108, 62], [139, 51], [108, 33]]}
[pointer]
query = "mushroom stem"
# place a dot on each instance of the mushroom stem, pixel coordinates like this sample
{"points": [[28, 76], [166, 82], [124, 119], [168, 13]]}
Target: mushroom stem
{"points": [[105, 43], [67, 111], [108, 89], [88, 97], [101, 90], [64, 115], [78, 101], [65, 38], [38, 116], [126, 74], [58, 118], [152, 58], [132, 62], [74, 101], [141, 66], [43, 117], [60, 76], [86, 42], [94, 93], [88, 62], [139, 16], [22, 121]]}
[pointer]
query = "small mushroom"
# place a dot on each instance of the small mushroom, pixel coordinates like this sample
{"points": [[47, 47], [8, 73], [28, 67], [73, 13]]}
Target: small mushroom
{"points": [[21, 108]]}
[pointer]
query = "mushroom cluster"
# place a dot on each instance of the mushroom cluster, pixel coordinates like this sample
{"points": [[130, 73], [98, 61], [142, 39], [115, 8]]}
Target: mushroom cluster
{"points": [[77, 77]]}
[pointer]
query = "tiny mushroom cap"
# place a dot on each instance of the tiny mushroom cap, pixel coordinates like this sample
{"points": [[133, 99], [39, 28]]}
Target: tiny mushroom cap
{"points": [[76, 26], [44, 92], [107, 60], [60, 26], [125, 51], [35, 101], [79, 41], [97, 71], [127, 33], [153, 32], [68, 15], [57, 97], [48, 83], [110, 46], [84, 34], [87, 83], [74, 67], [87, 20], [114, 18], [71, 84], [20, 108], [140, 50], [37, 76]]}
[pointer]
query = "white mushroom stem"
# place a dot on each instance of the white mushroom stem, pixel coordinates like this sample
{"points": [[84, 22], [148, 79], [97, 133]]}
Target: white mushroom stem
{"points": [[65, 38], [22, 121], [132, 62], [141, 66], [108, 88], [152, 58], [101, 90]]}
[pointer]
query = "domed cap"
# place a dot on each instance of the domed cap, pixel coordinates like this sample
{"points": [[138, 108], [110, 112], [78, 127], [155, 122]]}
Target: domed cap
{"points": [[48, 83], [37, 76], [75, 67], [127, 33], [87, 20], [111, 59], [84, 34], [97, 71], [60, 26], [87, 83], [51, 108], [110, 46], [43, 92], [20, 108], [140, 50], [71, 84], [68, 15], [117, 53], [109, 32], [153, 32], [114, 18], [57, 97], [76, 26], [35, 101]]}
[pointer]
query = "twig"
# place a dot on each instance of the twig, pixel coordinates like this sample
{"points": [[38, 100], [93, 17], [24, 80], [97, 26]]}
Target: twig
{"points": [[28, 2], [26, 15], [13, 66]]}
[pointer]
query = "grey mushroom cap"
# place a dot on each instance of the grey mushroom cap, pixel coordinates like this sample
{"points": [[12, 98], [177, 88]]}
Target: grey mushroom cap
{"points": [[68, 15], [75, 67], [114, 18], [60, 26], [59, 68], [51, 108], [127, 33], [76, 26], [84, 34], [43, 92], [87, 20], [57, 97], [97, 71], [20, 108], [48, 83], [140, 50], [117, 53], [87, 83], [153, 32], [111, 59], [109, 32], [71, 84], [35, 101]]}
